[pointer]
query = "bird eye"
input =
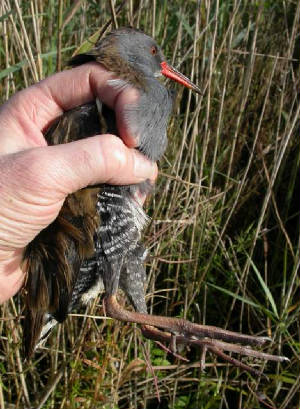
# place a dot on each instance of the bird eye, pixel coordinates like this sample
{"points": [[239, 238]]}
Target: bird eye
{"points": [[153, 50]]}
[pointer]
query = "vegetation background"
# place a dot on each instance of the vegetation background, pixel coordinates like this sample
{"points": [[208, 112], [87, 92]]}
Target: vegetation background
{"points": [[224, 236]]}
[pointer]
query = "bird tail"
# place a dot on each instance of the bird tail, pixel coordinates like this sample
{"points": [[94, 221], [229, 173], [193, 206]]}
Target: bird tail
{"points": [[36, 328], [51, 263], [32, 325]]}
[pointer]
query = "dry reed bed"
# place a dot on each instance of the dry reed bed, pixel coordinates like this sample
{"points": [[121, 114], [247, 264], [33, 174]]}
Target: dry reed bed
{"points": [[224, 235]]}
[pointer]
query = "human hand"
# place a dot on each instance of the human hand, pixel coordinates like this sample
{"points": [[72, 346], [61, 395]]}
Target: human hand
{"points": [[36, 178]]}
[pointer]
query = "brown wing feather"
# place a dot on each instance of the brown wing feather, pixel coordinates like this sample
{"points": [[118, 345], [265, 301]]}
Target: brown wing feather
{"points": [[54, 257]]}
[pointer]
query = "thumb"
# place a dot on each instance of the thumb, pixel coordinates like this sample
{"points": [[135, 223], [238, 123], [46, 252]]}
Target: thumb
{"points": [[64, 169], [35, 182]]}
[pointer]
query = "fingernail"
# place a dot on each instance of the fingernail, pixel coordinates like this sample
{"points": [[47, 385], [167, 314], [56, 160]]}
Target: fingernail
{"points": [[143, 168]]}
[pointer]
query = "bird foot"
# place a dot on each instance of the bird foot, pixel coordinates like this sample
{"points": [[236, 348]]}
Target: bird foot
{"points": [[176, 331]]}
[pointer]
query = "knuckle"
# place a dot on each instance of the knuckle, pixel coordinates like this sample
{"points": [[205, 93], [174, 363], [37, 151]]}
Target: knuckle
{"points": [[43, 169], [115, 155], [24, 172], [34, 165]]}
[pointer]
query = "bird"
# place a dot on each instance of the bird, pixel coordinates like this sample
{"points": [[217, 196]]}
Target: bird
{"points": [[95, 243]]}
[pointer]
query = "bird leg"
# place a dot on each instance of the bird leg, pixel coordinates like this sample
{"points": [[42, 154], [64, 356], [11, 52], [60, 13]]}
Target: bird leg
{"points": [[180, 331]]}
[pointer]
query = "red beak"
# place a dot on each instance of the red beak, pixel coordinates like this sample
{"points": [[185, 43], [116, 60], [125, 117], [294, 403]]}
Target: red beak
{"points": [[170, 72]]}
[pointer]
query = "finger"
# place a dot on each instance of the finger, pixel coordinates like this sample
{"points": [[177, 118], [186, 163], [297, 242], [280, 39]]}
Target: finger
{"points": [[11, 276], [101, 159], [56, 171], [33, 109]]}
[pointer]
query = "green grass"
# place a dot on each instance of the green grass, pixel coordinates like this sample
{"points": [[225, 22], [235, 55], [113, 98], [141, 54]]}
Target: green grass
{"points": [[224, 235]]}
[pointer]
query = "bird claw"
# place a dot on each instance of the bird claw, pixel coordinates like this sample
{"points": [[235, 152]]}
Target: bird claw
{"points": [[202, 359], [212, 345], [213, 339]]}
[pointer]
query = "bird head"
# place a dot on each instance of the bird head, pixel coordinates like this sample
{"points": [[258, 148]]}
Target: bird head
{"points": [[137, 60], [138, 50], [132, 54]]}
